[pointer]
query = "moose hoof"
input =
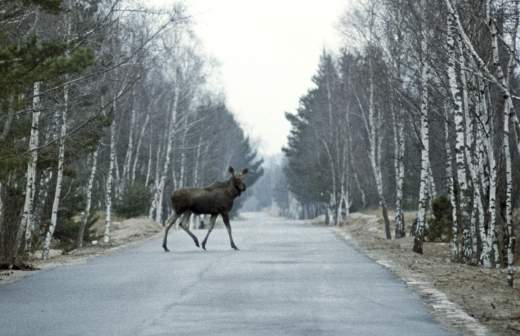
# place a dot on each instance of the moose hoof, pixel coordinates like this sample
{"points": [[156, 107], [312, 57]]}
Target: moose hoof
{"points": [[165, 249], [197, 243], [235, 248], [204, 246]]}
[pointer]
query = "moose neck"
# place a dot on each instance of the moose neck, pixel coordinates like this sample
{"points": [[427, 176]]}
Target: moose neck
{"points": [[232, 189]]}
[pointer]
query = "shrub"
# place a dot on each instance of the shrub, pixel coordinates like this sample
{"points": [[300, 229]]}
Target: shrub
{"points": [[66, 234], [66, 231], [134, 202], [440, 225]]}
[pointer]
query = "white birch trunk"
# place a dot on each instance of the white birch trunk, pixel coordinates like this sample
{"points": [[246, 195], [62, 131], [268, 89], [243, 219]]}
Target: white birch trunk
{"points": [[27, 223], [459, 142], [488, 250], [166, 166], [153, 206], [129, 150], [486, 256], [110, 175], [51, 132], [61, 157], [345, 179], [138, 147], [182, 172], [88, 206], [149, 167], [332, 198], [399, 148], [117, 177], [425, 149], [432, 188], [59, 177], [475, 216], [197, 162], [41, 200], [454, 244], [509, 112], [509, 196], [360, 189], [374, 144]]}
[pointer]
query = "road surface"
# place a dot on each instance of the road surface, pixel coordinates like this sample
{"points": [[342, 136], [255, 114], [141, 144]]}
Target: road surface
{"points": [[290, 278]]}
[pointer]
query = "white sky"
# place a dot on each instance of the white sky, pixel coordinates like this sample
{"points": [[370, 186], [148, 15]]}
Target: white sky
{"points": [[268, 51]]}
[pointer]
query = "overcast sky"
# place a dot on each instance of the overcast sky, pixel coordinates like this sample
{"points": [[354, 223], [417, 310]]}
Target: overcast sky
{"points": [[268, 51]]}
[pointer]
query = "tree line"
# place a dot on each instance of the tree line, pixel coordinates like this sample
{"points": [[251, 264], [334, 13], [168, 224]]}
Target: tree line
{"points": [[104, 106], [419, 105]]}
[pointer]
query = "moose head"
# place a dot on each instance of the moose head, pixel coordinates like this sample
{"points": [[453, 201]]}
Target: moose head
{"points": [[238, 179]]}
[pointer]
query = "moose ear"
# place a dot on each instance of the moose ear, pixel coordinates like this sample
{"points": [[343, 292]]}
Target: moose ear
{"points": [[231, 170], [245, 171]]}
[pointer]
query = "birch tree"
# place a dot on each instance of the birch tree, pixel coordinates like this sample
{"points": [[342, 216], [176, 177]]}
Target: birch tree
{"points": [[425, 139], [27, 224], [59, 175], [61, 151]]}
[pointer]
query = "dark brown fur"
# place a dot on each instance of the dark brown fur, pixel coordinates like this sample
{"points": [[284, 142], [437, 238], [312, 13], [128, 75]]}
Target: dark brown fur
{"points": [[215, 199]]}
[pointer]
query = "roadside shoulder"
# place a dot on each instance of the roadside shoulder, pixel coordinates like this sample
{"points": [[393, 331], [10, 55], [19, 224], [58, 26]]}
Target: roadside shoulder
{"points": [[468, 298], [125, 234]]}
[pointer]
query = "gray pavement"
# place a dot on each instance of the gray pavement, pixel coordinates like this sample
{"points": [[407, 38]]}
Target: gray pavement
{"points": [[289, 278]]}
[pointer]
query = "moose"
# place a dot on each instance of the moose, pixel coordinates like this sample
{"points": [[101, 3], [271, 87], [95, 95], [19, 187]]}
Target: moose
{"points": [[214, 199]]}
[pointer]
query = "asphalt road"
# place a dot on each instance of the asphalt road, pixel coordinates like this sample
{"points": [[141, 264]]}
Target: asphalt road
{"points": [[289, 278]]}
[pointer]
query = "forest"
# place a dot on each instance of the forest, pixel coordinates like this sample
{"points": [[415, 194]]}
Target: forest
{"points": [[384, 200], [105, 109], [417, 111]]}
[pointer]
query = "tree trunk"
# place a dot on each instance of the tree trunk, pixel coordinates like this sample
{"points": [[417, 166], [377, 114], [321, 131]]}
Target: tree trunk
{"points": [[138, 148], [129, 149], [166, 166], [182, 174], [462, 187], [196, 169], [155, 200], [399, 147], [488, 241], [509, 196], [59, 177], [11, 201], [110, 175], [90, 187], [425, 146], [373, 155], [149, 167], [509, 112], [27, 223], [454, 244]]}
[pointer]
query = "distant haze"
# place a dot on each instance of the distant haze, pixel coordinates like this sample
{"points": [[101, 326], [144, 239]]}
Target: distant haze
{"points": [[268, 51]]}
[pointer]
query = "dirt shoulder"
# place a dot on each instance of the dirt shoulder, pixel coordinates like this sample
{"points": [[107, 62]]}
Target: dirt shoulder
{"points": [[474, 300], [124, 234]]}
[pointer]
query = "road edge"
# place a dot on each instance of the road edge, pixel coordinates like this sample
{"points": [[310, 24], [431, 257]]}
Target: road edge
{"points": [[448, 313], [65, 260]]}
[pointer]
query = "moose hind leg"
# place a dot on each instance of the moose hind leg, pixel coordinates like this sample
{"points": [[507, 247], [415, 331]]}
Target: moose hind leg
{"points": [[169, 223], [228, 228], [184, 225], [211, 226]]}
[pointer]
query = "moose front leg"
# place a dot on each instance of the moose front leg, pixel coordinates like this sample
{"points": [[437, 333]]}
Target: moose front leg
{"points": [[225, 217], [211, 226]]}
